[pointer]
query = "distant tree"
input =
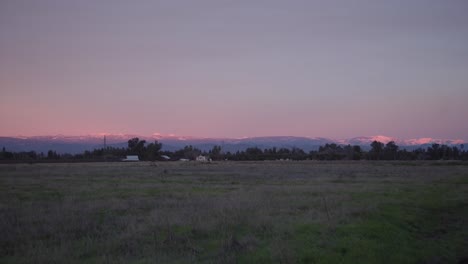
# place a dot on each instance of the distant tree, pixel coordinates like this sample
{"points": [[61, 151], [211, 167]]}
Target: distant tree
{"points": [[463, 153], [420, 154], [153, 151], [313, 155], [269, 154], [189, 152], [132, 143], [376, 150], [391, 151], [52, 155], [357, 152], [434, 152], [283, 153], [254, 153], [6, 155], [32, 155], [298, 154], [331, 152], [403, 154], [455, 153], [352, 152], [228, 156], [446, 152], [136, 146], [215, 153]]}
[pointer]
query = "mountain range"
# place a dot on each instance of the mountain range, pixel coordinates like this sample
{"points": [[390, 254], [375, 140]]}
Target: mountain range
{"points": [[78, 144]]}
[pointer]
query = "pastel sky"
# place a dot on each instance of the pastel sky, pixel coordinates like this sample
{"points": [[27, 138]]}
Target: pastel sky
{"points": [[234, 68]]}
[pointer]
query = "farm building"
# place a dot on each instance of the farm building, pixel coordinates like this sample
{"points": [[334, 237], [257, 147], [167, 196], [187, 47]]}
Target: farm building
{"points": [[165, 157], [131, 158], [202, 158]]}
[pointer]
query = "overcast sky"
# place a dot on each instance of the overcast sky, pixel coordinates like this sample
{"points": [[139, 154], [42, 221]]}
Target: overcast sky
{"points": [[235, 68]]}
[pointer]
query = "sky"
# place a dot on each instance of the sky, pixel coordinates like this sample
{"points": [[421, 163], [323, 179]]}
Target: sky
{"points": [[235, 68]]}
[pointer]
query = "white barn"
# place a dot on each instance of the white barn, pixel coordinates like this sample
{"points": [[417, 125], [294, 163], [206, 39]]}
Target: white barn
{"points": [[131, 158], [201, 158]]}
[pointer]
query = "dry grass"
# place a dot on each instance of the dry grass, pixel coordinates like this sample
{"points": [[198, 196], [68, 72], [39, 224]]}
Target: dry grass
{"points": [[226, 212]]}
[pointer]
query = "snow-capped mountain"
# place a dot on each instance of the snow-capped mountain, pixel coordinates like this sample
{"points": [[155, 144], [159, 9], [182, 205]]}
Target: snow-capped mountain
{"points": [[401, 142], [368, 140], [77, 144]]}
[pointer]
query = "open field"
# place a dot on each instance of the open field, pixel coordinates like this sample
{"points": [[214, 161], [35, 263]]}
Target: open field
{"points": [[234, 212]]}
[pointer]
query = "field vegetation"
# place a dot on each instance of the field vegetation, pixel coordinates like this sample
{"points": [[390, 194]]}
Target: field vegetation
{"points": [[235, 212]]}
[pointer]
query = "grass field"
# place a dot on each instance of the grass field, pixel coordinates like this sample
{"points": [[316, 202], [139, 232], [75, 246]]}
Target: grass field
{"points": [[234, 212]]}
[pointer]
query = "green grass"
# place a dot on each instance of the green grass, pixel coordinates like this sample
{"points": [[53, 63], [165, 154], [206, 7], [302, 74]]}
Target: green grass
{"points": [[245, 212], [419, 226]]}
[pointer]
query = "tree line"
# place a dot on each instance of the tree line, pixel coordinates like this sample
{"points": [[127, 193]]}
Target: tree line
{"points": [[153, 151]]}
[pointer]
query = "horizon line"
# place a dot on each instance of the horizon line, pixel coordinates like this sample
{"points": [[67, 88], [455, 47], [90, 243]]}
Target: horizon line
{"points": [[171, 135]]}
